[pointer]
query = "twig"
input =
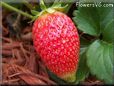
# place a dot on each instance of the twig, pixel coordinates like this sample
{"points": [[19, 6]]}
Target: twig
{"points": [[27, 37], [8, 46], [18, 56], [7, 52], [82, 34], [43, 68], [92, 83], [6, 39], [23, 70], [9, 81], [17, 20], [5, 31], [13, 75], [41, 77], [23, 50]]}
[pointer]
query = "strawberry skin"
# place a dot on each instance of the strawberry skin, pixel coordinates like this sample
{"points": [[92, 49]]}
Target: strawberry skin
{"points": [[56, 40]]}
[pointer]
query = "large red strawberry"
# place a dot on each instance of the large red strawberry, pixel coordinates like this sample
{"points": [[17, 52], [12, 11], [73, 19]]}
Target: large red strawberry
{"points": [[56, 40]]}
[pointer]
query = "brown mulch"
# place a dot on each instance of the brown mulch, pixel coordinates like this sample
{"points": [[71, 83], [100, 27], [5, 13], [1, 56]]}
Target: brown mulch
{"points": [[20, 62]]}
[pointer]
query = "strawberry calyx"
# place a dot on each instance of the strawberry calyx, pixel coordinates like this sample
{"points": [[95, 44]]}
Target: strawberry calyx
{"points": [[55, 7]]}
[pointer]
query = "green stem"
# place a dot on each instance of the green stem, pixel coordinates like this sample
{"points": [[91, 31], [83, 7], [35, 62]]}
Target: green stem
{"points": [[16, 10]]}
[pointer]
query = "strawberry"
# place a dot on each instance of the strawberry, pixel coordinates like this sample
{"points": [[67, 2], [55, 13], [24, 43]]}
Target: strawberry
{"points": [[56, 40]]}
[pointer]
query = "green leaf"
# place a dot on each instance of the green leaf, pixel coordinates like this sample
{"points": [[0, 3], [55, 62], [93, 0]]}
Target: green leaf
{"points": [[87, 20], [34, 12], [106, 16], [56, 3], [42, 5], [100, 60], [95, 20], [108, 32], [62, 8], [83, 70]]}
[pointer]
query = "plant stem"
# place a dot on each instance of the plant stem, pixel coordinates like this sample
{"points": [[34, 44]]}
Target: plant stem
{"points": [[16, 10]]}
